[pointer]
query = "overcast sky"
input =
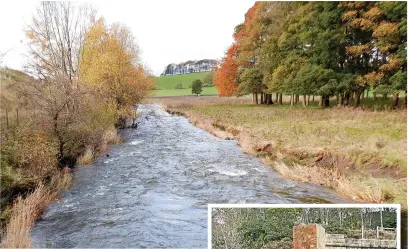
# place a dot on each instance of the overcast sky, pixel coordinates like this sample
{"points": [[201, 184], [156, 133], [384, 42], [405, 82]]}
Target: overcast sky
{"points": [[166, 31]]}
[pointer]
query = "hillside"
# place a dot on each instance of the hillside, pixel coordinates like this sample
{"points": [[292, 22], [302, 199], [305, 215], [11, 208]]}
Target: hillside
{"points": [[166, 85], [11, 75]]}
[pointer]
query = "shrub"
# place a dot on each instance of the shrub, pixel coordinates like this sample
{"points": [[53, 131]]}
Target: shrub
{"points": [[179, 86]]}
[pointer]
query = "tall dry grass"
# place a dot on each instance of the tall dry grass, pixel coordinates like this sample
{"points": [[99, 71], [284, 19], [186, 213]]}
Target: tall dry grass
{"points": [[26, 211], [86, 157], [347, 186]]}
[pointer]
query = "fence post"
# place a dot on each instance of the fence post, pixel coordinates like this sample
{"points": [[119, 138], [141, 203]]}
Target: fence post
{"points": [[378, 235]]}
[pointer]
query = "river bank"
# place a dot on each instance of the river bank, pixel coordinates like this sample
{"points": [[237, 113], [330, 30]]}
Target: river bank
{"points": [[359, 154], [153, 189], [27, 198]]}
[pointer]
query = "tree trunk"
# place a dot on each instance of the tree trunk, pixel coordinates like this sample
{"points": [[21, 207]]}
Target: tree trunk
{"points": [[276, 97], [347, 98], [296, 98], [253, 98], [313, 98], [321, 101], [304, 100], [262, 98], [326, 101], [405, 99], [292, 99], [374, 96], [280, 99], [7, 119], [341, 100], [269, 100], [385, 96], [395, 100], [17, 120], [60, 154], [256, 98], [357, 98]]}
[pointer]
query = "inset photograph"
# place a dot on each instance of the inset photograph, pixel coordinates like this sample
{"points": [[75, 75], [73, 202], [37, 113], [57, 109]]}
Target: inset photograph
{"points": [[304, 226]]}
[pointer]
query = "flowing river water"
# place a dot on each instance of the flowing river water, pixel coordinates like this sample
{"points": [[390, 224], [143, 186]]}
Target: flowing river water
{"points": [[153, 189]]}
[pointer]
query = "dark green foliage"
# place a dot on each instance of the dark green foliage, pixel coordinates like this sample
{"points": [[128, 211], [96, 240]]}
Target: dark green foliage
{"points": [[197, 87], [276, 225], [250, 81]]}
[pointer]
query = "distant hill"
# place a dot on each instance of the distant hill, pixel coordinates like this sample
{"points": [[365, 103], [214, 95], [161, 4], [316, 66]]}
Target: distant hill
{"points": [[166, 84], [190, 67], [8, 75]]}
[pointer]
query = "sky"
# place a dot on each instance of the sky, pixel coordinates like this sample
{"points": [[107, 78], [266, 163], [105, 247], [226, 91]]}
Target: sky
{"points": [[166, 31]]}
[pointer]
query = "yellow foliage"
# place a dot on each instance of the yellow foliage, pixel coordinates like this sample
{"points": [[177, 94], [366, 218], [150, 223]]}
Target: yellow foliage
{"points": [[386, 29], [392, 64], [373, 78], [374, 13], [358, 50], [361, 23], [111, 63], [349, 15]]}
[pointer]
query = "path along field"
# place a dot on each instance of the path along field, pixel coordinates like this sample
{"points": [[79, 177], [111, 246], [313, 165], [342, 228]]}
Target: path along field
{"points": [[359, 153]]}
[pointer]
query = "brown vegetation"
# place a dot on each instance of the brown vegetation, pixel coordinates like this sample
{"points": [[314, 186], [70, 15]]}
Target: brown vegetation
{"points": [[67, 112], [24, 213]]}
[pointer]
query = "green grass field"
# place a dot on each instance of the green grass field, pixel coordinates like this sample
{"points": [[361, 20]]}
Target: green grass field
{"points": [[166, 85]]}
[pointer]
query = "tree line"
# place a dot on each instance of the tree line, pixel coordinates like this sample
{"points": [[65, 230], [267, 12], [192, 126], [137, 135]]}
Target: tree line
{"points": [[190, 67], [325, 49], [85, 77]]}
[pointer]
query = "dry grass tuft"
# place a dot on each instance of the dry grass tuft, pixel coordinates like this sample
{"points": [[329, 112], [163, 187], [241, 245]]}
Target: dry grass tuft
{"points": [[87, 157], [24, 213], [111, 136]]}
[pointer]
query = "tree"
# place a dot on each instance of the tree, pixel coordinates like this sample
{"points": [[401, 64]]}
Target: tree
{"points": [[251, 82], [225, 77], [196, 87], [111, 64], [55, 38], [209, 79]]}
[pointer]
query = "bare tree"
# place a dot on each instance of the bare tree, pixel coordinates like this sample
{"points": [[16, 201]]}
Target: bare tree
{"points": [[56, 35]]}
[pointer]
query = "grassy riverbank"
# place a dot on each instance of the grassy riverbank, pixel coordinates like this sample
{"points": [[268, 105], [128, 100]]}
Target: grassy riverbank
{"points": [[360, 154]]}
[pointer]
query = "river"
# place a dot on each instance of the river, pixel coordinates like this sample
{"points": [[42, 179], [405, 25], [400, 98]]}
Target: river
{"points": [[153, 189]]}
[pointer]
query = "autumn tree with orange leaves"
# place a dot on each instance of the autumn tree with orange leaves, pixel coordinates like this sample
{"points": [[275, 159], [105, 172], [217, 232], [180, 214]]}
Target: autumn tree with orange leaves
{"points": [[225, 77], [283, 48]]}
